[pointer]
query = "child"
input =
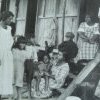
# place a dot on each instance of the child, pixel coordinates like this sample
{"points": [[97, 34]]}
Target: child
{"points": [[31, 64], [19, 56], [43, 71], [54, 56]]}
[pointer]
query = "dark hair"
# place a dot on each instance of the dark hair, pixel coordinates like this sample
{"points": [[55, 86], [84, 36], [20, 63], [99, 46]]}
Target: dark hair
{"points": [[20, 40], [6, 14], [13, 28], [70, 34], [47, 56], [69, 49]]}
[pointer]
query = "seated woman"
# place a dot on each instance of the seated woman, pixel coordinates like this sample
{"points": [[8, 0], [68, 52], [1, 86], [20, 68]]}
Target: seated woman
{"points": [[59, 72]]}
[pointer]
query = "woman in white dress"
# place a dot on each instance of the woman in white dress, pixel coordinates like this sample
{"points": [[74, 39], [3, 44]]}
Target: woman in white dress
{"points": [[6, 57]]}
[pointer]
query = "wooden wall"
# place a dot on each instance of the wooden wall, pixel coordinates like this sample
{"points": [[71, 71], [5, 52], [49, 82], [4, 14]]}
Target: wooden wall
{"points": [[0, 5], [21, 18], [47, 9]]}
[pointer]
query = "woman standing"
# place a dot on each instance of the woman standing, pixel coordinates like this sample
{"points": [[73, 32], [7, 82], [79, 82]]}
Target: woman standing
{"points": [[6, 57], [87, 43]]}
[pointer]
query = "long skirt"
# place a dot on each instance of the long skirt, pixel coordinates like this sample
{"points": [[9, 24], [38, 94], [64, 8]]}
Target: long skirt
{"points": [[6, 74]]}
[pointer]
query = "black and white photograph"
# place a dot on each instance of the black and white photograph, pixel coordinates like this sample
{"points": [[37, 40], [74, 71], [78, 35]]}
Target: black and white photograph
{"points": [[49, 49]]}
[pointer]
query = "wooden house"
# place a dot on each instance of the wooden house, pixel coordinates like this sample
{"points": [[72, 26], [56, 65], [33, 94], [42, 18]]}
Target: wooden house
{"points": [[36, 17]]}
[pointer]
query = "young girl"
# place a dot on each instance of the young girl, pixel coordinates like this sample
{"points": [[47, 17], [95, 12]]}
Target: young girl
{"points": [[43, 71], [19, 55]]}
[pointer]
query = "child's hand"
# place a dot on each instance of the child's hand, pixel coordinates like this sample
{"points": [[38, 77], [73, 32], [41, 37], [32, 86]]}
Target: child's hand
{"points": [[46, 74]]}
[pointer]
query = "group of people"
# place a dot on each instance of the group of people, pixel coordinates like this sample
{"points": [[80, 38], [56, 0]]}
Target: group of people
{"points": [[50, 66]]}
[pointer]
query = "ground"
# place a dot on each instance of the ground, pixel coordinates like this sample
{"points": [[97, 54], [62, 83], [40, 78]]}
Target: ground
{"points": [[38, 99]]}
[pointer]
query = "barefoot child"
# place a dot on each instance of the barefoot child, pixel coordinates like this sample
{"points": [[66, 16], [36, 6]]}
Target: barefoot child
{"points": [[42, 71], [20, 55]]}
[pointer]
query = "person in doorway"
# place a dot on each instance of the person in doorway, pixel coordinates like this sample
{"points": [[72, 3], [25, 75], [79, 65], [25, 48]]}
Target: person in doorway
{"points": [[87, 43], [6, 57]]}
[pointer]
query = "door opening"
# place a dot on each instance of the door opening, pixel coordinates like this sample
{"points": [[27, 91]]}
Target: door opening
{"points": [[31, 18], [89, 7]]}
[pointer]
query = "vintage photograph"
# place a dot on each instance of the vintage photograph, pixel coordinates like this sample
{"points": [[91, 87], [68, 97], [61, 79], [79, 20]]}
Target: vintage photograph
{"points": [[49, 49]]}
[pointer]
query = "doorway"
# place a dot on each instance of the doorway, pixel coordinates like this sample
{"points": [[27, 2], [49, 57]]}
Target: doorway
{"points": [[89, 7], [5, 5], [31, 18]]}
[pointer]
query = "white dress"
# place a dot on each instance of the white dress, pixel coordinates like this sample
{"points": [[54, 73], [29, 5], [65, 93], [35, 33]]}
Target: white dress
{"points": [[6, 57]]}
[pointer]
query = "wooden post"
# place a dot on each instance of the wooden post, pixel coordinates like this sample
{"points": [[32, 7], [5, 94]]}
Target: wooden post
{"points": [[17, 9], [44, 8], [80, 1], [56, 24], [36, 22], [56, 31], [63, 19]]}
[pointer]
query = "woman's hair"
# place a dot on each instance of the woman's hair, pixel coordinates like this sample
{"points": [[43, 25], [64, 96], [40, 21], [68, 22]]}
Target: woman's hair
{"points": [[6, 14]]}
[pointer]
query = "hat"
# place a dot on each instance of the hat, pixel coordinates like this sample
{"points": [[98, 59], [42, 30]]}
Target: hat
{"points": [[22, 39], [72, 98], [55, 51], [70, 34]]}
